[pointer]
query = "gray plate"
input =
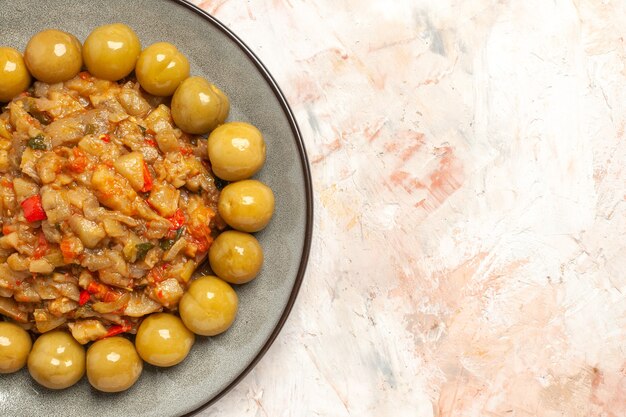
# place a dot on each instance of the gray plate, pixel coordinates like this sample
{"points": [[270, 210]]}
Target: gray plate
{"points": [[215, 364]]}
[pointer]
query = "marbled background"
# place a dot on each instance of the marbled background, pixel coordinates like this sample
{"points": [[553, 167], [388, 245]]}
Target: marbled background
{"points": [[469, 254]]}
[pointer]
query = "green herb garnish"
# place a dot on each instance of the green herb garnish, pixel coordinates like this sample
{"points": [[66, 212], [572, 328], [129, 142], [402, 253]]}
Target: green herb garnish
{"points": [[90, 129], [142, 250], [38, 143], [166, 244], [143, 129]]}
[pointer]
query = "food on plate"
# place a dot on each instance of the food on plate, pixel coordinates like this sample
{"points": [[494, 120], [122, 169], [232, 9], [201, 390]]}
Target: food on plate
{"points": [[163, 340], [111, 51], [236, 151], [109, 203], [53, 56], [199, 106], [113, 364], [246, 205], [14, 76], [57, 360], [161, 68], [107, 208], [15, 346], [236, 257], [209, 306]]}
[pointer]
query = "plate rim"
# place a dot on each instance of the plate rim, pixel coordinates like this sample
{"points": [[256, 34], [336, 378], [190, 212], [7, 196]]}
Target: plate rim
{"points": [[306, 172]]}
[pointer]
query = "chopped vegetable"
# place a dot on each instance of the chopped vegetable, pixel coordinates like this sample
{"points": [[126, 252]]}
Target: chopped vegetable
{"points": [[106, 210], [177, 220], [84, 297], [115, 330], [40, 116], [37, 143], [33, 211], [132, 167], [167, 244], [85, 331], [40, 266], [79, 161], [142, 250], [147, 179], [42, 246], [89, 232]]}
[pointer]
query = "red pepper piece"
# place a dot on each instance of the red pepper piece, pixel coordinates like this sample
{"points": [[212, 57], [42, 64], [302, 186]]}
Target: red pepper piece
{"points": [[102, 292], [42, 247], [177, 220], [33, 211], [151, 142], [117, 329], [79, 162], [6, 183], [110, 296], [105, 138], [94, 287], [84, 297], [157, 273], [6, 229], [147, 179]]}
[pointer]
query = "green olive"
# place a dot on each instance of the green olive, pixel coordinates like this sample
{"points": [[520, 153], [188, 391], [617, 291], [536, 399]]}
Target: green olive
{"points": [[161, 68], [14, 76], [198, 106], [57, 361], [236, 151], [113, 364], [15, 345], [111, 51], [209, 306], [163, 340], [236, 257], [53, 56], [246, 205]]}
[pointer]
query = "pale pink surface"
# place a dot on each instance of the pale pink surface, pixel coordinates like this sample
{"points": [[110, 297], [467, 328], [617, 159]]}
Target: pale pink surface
{"points": [[470, 240]]}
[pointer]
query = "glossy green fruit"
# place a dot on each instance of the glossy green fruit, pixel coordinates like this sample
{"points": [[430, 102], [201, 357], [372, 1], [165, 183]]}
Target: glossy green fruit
{"points": [[14, 76], [113, 364], [236, 257], [53, 56], [246, 205], [236, 151], [163, 340], [57, 361], [209, 306], [15, 345], [111, 51], [198, 106], [161, 68]]}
